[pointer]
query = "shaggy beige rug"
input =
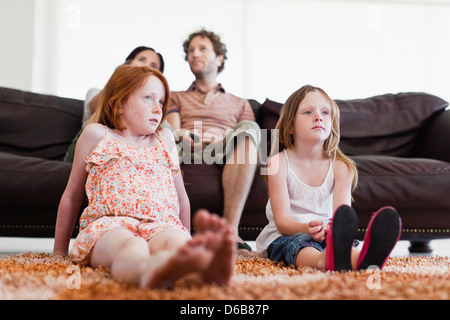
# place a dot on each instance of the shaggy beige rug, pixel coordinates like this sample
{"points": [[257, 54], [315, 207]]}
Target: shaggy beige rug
{"points": [[33, 276]]}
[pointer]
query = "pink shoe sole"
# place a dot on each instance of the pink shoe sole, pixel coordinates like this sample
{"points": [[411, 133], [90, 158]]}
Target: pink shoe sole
{"points": [[340, 238], [382, 234]]}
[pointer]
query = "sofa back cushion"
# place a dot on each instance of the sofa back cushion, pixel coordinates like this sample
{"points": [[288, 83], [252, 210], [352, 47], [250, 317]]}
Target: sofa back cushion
{"points": [[383, 125], [387, 124], [37, 125]]}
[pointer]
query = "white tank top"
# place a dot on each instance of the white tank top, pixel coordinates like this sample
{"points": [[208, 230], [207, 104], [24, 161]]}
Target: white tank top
{"points": [[307, 204]]}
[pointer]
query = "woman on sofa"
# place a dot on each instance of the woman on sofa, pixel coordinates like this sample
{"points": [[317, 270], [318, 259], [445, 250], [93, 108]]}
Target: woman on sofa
{"points": [[138, 219], [308, 179], [140, 56]]}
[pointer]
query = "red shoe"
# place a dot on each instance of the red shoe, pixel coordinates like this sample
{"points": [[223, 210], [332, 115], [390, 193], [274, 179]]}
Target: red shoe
{"points": [[382, 234], [340, 238]]}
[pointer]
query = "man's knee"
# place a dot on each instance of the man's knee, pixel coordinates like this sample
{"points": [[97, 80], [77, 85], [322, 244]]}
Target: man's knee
{"points": [[245, 151]]}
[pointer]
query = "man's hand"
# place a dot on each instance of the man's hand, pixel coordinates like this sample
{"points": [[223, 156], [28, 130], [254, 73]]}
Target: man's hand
{"points": [[189, 138]]}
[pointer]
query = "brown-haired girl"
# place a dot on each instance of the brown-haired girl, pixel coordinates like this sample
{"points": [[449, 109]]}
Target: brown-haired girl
{"points": [[138, 219], [309, 178]]}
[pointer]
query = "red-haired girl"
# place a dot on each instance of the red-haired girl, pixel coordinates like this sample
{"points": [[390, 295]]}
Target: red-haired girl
{"points": [[138, 219]]}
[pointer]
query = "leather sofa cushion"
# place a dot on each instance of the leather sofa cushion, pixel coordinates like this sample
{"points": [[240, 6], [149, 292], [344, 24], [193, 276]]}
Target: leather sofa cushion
{"points": [[37, 125], [401, 182], [30, 188], [387, 124], [204, 186]]}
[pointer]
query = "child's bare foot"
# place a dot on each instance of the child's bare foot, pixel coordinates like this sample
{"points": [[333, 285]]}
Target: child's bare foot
{"points": [[222, 265], [205, 221], [166, 267], [221, 268]]}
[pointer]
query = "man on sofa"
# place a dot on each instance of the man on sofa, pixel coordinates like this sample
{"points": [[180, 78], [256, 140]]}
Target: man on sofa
{"points": [[216, 126]]}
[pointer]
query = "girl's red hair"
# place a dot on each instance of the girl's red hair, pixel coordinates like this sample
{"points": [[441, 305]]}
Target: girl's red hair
{"points": [[125, 80]]}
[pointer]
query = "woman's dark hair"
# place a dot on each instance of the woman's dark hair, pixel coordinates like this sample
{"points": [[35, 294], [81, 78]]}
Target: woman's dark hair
{"points": [[138, 50]]}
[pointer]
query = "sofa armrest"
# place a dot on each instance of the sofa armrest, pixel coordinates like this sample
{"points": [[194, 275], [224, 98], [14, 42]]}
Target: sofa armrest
{"points": [[435, 139]]}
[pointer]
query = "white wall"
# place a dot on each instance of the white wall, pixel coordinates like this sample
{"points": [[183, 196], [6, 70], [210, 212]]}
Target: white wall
{"points": [[16, 43], [352, 49]]}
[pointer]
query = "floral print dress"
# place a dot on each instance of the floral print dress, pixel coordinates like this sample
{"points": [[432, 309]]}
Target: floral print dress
{"points": [[128, 187]]}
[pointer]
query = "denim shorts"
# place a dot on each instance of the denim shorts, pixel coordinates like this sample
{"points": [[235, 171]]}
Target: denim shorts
{"points": [[286, 248]]}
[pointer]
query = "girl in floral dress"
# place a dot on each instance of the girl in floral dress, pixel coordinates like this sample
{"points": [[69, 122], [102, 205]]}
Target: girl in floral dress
{"points": [[138, 219]]}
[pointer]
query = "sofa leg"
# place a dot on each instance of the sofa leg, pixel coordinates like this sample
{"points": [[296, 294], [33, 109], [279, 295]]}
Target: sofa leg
{"points": [[423, 246]]}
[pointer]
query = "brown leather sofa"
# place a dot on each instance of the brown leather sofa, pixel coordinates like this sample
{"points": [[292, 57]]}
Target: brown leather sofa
{"points": [[400, 142]]}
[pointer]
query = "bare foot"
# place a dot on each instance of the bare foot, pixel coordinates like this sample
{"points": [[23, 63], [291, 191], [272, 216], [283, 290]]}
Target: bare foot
{"points": [[221, 267], [205, 221], [166, 267]]}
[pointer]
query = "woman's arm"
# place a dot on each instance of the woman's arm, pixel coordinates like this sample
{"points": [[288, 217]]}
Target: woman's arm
{"points": [[93, 103]]}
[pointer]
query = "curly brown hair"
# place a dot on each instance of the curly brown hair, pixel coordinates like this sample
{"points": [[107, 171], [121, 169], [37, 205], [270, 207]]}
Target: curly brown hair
{"points": [[219, 47]]}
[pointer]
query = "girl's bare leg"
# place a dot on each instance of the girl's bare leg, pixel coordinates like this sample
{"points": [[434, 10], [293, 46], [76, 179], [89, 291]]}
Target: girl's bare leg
{"points": [[169, 255], [121, 251], [312, 257], [131, 261], [355, 257], [167, 266]]}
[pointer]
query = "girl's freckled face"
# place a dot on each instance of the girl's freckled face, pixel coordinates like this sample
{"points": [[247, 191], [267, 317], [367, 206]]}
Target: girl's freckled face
{"points": [[142, 112]]}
